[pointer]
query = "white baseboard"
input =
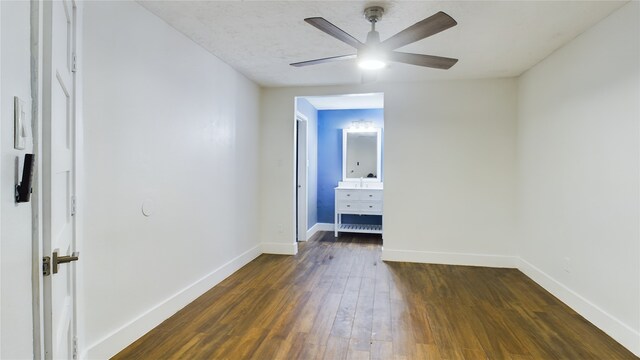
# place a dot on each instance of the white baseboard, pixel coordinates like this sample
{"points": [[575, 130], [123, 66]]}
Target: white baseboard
{"points": [[319, 227], [615, 328], [279, 248], [430, 257], [130, 332]]}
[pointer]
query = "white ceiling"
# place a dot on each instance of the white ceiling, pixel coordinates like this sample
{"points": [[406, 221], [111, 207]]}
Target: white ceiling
{"points": [[349, 101], [492, 38]]}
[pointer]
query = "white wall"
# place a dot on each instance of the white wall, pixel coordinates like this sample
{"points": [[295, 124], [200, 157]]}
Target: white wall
{"points": [[449, 169], [16, 333], [578, 157], [166, 121]]}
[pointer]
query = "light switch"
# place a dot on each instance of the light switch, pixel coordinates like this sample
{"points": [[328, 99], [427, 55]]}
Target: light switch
{"points": [[22, 125]]}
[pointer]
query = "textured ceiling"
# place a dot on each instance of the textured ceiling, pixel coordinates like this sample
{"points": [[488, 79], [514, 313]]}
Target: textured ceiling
{"points": [[492, 38]]}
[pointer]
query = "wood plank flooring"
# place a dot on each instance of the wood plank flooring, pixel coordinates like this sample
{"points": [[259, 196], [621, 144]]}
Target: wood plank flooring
{"points": [[337, 300]]}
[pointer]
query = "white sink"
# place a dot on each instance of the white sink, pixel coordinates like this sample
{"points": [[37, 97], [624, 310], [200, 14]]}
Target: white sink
{"points": [[356, 185]]}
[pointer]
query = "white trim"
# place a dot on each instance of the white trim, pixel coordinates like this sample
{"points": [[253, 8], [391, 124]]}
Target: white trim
{"points": [[319, 227], [2, 153], [78, 169], [37, 278], [127, 334], [615, 328], [431, 257], [301, 116], [81, 312], [302, 219], [279, 248]]}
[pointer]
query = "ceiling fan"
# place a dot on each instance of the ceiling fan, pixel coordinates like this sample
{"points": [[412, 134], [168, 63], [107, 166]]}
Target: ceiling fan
{"points": [[374, 54]]}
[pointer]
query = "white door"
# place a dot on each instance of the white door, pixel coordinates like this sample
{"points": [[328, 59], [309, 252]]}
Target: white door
{"points": [[58, 178], [302, 169]]}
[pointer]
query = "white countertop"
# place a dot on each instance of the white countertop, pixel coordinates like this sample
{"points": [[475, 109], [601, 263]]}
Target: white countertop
{"points": [[355, 185]]}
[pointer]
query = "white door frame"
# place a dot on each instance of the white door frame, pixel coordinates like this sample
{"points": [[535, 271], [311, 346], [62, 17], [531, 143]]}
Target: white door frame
{"points": [[0, 148], [36, 199], [38, 67], [302, 201]]}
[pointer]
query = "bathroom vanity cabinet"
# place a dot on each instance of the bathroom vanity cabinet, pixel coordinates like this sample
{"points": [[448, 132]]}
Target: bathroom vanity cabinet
{"points": [[357, 201]]}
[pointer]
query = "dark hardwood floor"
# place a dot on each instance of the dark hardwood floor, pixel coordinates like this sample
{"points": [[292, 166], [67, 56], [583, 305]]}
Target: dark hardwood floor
{"points": [[337, 300]]}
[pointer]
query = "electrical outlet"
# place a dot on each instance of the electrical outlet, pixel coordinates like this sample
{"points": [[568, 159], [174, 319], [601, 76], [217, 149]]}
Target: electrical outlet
{"points": [[566, 265], [280, 229]]}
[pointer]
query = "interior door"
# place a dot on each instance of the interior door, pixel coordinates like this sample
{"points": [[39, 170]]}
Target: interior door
{"points": [[301, 180], [58, 178]]}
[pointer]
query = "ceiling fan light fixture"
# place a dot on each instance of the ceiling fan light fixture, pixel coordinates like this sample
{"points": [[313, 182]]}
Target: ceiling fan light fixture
{"points": [[371, 58], [369, 63]]}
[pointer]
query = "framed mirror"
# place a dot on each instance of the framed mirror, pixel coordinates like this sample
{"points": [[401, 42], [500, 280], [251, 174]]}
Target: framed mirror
{"points": [[361, 150]]}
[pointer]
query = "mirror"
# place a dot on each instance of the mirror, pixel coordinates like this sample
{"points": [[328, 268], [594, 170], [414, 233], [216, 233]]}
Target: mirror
{"points": [[361, 155]]}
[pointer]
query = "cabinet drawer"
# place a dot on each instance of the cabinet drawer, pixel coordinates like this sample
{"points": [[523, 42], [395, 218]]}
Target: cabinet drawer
{"points": [[350, 206], [370, 195], [371, 206], [347, 194]]}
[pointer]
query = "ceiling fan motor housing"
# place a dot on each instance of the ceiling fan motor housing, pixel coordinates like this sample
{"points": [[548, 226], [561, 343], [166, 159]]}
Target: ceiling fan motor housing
{"points": [[373, 14]]}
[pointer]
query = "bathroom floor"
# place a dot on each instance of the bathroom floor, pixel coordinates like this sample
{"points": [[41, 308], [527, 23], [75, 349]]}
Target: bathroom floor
{"points": [[327, 236]]}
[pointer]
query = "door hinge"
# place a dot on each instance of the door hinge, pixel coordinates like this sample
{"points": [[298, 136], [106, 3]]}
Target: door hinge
{"points": [[75, 347], [73, 205], [46, 265], [74, 63]]}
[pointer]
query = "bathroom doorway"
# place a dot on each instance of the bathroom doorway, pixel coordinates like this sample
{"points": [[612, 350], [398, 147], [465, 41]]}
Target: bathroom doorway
{"points": [[333, 124]]}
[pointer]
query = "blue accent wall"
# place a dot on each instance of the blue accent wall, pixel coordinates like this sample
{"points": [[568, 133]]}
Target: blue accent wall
{"points": [[330, 125]]}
